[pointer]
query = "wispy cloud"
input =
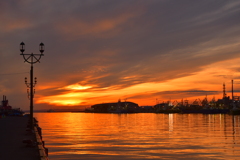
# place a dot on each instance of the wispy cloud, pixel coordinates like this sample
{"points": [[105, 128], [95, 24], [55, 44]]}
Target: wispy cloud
{"points": [[133, 49]]}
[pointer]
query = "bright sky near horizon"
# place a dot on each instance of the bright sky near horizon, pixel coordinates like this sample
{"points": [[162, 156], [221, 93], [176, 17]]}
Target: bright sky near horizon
{"points": [[103, 50]]}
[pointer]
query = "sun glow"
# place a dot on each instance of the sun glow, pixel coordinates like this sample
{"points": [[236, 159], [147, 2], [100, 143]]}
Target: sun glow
{"points": [[64, 99], [77, 87], [198, 85], [56, 101], [66, 102]]}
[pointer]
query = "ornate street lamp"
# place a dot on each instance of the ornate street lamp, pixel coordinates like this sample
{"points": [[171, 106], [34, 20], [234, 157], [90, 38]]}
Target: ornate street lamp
{"points": [[32, 59]]}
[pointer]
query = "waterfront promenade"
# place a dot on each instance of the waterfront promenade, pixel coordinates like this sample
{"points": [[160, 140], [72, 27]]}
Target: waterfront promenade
{"points": [[12, 133]]}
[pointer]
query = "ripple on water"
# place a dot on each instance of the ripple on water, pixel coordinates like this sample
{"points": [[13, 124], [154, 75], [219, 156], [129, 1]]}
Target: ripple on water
{"points": [[140, 136]]}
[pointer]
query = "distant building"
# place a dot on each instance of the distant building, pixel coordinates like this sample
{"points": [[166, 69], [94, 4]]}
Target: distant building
{"points": [[119, 107]]}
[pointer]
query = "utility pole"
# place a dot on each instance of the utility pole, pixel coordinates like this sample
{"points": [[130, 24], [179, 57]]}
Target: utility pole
{"points": [[232, 91]]}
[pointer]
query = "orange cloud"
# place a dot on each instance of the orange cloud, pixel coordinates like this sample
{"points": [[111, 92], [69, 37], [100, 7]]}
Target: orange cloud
{"points": [[210, 79]]}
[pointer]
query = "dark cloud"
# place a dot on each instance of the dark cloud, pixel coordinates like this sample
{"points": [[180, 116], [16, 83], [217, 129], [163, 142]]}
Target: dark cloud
{"points": [[106, 42]]}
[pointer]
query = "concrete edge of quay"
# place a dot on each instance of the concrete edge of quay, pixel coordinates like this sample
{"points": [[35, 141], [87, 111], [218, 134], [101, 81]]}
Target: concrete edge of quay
{"points": [[43, 151]]}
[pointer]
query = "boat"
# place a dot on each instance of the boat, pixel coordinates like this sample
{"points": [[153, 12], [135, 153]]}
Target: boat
{"points": [[7, 110]]}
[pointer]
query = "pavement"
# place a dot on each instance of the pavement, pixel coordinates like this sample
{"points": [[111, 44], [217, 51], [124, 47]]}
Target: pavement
{"points": [[12, 133]]}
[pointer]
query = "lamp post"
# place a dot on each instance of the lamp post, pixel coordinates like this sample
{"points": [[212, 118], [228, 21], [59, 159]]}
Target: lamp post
{"points": [[32, 59]]}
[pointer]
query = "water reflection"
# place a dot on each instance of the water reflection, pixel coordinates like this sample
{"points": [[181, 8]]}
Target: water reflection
{"points": [[170, 123], [140, 136]]}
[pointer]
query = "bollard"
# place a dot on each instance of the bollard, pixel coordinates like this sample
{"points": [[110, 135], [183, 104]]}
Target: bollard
{"points": [[39, 131], [46, 151]]}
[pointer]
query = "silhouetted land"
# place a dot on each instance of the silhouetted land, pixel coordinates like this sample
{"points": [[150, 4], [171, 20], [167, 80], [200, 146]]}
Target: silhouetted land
{"points": [[12, 133]]}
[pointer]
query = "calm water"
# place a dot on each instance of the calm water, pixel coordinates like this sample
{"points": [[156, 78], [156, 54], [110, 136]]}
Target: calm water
{"points": [[140, 136]]}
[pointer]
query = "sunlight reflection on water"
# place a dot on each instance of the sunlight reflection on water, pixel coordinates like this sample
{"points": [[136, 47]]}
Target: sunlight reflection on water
{"points": [[140, 136]]}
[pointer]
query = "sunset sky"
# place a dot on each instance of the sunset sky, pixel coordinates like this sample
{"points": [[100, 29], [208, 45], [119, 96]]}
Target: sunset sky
{"points": [[98, 51]]}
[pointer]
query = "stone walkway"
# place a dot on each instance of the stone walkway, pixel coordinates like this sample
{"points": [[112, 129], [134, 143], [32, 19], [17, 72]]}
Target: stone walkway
{"points": [[12, 133]]}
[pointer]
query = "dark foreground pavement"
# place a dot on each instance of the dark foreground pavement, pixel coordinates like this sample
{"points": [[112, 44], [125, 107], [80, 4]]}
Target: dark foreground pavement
{"points": [[12, 133]]}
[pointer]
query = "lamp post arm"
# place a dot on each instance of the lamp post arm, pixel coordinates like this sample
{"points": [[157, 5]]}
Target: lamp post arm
{"points": [[26, 59], [31, 56], [37, 59]]}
